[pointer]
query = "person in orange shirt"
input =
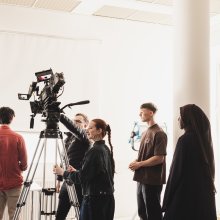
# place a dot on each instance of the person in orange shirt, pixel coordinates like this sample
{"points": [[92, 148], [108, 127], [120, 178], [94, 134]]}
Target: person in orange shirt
{"points": [[13, 160]]}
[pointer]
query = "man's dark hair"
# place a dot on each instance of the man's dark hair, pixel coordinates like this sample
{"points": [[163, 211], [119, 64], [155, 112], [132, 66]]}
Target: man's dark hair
{"points": [[150, 106], [6, 115]]}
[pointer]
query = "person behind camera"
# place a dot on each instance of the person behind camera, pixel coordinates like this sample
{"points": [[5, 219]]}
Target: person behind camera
{"points": [[13, 160], [76, 145], [96, 175]]}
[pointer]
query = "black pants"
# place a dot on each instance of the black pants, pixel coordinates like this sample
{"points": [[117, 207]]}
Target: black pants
{"points": [[148, 199], [64, 202], [100, 207]]}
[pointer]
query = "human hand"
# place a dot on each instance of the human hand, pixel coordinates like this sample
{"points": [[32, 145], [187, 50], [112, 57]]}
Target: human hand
{"points": [[135, 165], [71, 169], [58, 170]]}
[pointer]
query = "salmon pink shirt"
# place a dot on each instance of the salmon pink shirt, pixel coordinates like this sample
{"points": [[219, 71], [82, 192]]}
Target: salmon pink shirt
{"points": [[13, 158]]}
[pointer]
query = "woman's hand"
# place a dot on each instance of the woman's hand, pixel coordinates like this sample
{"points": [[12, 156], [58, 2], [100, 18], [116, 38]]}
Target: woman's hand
{"points": [[71, 169], [58, 170]]}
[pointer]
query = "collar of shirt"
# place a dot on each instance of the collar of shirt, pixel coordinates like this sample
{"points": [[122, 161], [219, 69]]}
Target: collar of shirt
{"points": [[4, 126]]}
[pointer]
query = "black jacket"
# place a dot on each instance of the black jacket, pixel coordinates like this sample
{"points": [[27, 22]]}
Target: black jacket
{"points": [[96, 175], [76, 143]]}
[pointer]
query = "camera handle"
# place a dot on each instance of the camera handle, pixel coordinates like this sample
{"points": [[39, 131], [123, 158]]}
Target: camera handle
{"points": [[76, 103]]}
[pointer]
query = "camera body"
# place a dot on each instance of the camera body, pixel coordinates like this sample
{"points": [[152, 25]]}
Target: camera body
{"points": [[47, 103]]}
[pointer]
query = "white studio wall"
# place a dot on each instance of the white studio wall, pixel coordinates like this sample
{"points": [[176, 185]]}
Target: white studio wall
{"points": [[215, 119], [115, 64], [22, 55], [143, 67]]}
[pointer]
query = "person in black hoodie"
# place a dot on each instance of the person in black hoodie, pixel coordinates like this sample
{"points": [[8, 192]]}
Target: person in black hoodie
{"points": [[96, 175], [190, 190], [76, 145]]}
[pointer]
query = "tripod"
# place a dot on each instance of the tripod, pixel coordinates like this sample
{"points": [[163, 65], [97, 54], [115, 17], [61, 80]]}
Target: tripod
{"points": [[48, 194]]}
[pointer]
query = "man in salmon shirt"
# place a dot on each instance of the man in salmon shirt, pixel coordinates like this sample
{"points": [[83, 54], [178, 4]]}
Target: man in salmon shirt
{"points": [[13, 160]]}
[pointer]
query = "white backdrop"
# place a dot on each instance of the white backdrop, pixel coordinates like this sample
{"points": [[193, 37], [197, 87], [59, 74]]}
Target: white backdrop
{"points": [[215, 115], [21, 55]]}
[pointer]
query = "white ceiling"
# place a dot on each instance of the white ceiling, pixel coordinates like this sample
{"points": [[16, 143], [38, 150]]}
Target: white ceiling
{"points": [[153, 11]]}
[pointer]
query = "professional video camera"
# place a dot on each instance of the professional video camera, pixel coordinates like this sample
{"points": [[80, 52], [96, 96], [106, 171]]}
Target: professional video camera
{"points": [[47, 103]]}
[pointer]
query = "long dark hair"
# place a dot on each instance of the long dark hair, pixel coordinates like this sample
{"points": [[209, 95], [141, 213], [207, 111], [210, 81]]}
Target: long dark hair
{"points": [[99, 123], [194, 119]]}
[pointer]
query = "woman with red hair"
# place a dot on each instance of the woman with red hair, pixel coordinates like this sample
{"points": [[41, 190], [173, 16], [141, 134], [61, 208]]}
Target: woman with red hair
{"points": [[96, 175]]}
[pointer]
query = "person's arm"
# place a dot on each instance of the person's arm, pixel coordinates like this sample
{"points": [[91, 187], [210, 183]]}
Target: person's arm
{"points": [[62, 173], [160, 150], [160, 144], [92, 166], [58, 186], [152, 161], [66, 174], [78, 132], [22, 154]]}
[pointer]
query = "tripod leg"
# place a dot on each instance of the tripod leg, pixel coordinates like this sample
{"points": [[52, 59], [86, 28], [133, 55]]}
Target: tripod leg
{"points": [[26, 187], [55, 178], [70, 189], [44, 166], [48, 199]]}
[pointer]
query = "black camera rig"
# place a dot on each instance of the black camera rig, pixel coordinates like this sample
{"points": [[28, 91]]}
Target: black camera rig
{"points": [[47, 103]]}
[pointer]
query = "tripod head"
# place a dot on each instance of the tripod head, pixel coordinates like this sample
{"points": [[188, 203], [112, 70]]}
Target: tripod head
{"points": [[52, 116]]}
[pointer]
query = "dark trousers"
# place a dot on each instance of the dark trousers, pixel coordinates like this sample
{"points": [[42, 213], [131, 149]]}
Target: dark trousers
{"points": [[148, 199], [97, 208], [64, 202]]}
